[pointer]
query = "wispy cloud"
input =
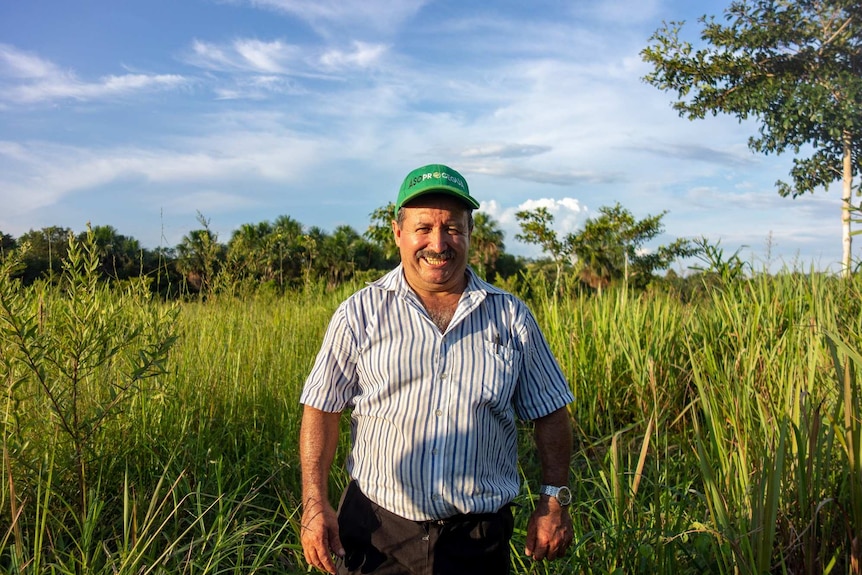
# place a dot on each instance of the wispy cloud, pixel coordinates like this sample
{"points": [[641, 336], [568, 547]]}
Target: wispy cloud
{"points": [[16, 63], [246, 55], [332, 17], [361, 55], [502, 150], [26, 78], [256, 87], [697, 152], [248, 68], [41, 174]]}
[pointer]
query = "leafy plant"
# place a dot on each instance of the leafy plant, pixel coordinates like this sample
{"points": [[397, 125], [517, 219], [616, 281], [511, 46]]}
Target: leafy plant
{"points": [[78, 357], [791, 64]]}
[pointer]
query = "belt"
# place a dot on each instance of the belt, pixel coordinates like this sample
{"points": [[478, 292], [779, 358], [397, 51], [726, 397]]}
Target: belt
{"points": [[464, 517]]}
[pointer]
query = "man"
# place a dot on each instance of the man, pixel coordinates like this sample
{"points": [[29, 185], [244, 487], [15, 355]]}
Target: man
{"points": [[435, 365]]}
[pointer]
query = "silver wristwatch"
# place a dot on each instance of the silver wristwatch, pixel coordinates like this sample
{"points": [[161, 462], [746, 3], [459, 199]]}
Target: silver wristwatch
{"points": [[562, 494]]}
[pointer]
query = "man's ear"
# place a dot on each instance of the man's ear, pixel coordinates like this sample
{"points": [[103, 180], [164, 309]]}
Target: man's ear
{"points": [[396, 230]]}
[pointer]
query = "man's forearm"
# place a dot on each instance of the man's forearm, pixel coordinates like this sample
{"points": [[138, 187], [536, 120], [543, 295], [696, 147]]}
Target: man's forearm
{"points": [[553, 436], [318, 441]]}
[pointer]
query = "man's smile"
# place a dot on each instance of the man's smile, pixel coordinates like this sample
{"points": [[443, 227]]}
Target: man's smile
{"points": [[435, 258]]}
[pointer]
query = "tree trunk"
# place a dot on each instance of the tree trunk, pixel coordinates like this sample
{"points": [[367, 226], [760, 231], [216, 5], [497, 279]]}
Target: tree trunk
{"points": [[846, 197]]}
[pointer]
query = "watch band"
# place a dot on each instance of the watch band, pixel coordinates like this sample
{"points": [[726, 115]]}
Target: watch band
{"points": [[562, 494]]}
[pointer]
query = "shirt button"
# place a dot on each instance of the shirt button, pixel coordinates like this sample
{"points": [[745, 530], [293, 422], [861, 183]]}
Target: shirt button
{"points": [[438, 413], [434, 451], [442, 376]]}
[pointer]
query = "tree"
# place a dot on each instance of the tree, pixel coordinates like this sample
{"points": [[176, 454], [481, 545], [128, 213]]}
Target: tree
{"points": [[287, 241], [44, 252], [248, 255], [379, 231], [795, 66], [120, 257], [486, 245], [536, 229], [337, 260], [199, 256], [611, 247], [7, 243]]}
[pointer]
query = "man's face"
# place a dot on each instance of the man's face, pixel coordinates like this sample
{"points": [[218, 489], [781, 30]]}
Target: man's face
{"points": [[434, 240]]}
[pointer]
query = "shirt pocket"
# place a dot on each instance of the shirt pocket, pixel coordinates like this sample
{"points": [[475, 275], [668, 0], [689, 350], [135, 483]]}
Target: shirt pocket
{"points": [[502, 366]]}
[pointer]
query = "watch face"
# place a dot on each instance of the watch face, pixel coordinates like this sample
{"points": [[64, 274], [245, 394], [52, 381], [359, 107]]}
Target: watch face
{"points": [[564, 496]]}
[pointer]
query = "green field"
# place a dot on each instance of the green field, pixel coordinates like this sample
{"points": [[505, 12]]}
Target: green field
{"points": [[715, 435]]}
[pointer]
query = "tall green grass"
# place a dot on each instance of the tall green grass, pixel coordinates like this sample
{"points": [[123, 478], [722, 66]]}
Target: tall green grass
{"points": [[721, 436]]}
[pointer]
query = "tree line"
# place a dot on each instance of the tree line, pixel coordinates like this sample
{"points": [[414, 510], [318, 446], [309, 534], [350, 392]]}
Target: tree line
{"points": [[284, 254]]}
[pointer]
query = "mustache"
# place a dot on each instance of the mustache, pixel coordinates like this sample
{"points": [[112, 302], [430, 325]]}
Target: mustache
{"points": [[444, 255]]}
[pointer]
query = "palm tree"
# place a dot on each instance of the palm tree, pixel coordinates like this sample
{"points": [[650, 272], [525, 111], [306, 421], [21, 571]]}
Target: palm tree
{"points": [[486, 245], [247, 251], [199, 256], [379, 231], [337, 254], [286, 247]]}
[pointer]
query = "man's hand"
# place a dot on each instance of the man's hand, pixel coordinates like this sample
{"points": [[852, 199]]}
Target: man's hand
{"points": [[318, 439], [319, 535], [549, 531]]}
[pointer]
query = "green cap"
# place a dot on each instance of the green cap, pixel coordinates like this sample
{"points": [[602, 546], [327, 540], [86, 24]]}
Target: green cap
{"points": [[434, 178]]}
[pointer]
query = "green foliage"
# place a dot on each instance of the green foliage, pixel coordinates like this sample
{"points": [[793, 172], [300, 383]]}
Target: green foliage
{"points": [[793, 65], [272, 257], [46, 249], [200, 257], [847, 427], [7, 243], [609, 248], [74, 358], [718, 435], [728, 269], [486, 245], [379, 231]]}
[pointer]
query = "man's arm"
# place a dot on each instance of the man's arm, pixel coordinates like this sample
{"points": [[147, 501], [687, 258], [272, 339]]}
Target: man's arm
{"points": [[318, 440], [549, 531]]}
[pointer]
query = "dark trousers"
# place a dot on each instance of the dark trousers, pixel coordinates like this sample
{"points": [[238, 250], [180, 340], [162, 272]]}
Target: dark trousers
{"points": [[380, 542]]}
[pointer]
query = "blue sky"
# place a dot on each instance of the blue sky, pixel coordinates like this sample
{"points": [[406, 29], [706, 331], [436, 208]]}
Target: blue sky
{"points": [[143, 113]]}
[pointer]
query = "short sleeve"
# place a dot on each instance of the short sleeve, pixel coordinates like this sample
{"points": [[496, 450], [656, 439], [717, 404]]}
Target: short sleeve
{"points": [[332, 382], [542, 387]]}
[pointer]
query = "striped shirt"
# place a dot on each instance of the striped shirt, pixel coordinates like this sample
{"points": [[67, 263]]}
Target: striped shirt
{"points": [[433, 415]]}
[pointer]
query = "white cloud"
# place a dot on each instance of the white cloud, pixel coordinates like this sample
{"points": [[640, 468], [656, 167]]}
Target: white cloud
{"points": [[330, 17], [246, 55], [504, 150], [256, 69], [569, 216], [26, 79], [265, 57], [257, 88], [362, 55], [15, 63], [38, 175], [61, 88]]}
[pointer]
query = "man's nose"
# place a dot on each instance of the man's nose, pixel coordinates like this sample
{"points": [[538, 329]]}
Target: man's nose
{"points": [[437, 240]]}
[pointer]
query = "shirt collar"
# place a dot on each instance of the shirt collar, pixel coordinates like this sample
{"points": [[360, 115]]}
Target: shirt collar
{"points": [[395, 281]]}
